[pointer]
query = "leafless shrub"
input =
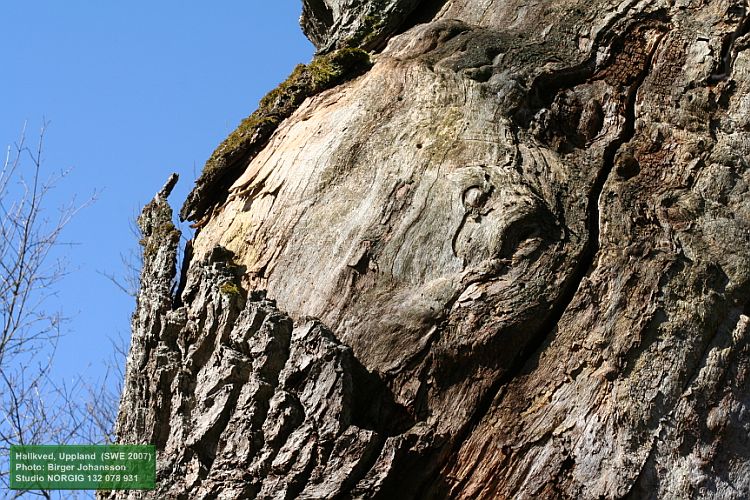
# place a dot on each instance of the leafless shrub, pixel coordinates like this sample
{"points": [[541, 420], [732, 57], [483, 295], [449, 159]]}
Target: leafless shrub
{"points": [[34, 407]]}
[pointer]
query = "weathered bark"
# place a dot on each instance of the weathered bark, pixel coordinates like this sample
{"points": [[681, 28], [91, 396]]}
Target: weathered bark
{"points": [[512, 260]]}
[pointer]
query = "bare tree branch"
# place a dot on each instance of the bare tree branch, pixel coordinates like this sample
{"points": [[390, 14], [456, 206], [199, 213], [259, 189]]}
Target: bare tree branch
{"points": [[35, 407]]}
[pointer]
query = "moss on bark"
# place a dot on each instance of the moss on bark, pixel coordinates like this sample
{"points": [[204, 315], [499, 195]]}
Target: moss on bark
{"points": [[226, 162]]}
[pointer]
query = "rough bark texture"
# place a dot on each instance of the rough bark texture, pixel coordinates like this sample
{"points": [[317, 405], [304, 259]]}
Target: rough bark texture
{"points": [[333, 24], [512, 260]]}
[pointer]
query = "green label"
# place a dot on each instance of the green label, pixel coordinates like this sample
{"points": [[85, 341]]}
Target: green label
{"points": [[85, 467]]}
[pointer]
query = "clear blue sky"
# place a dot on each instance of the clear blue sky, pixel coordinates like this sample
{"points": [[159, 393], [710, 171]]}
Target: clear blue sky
{"points": [[133, 91]]}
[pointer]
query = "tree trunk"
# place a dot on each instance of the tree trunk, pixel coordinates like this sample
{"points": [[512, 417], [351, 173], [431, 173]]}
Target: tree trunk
{"points": [[510, 260]]}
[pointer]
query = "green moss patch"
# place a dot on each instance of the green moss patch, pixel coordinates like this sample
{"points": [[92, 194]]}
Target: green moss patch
{"points": [[231, 289]]}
